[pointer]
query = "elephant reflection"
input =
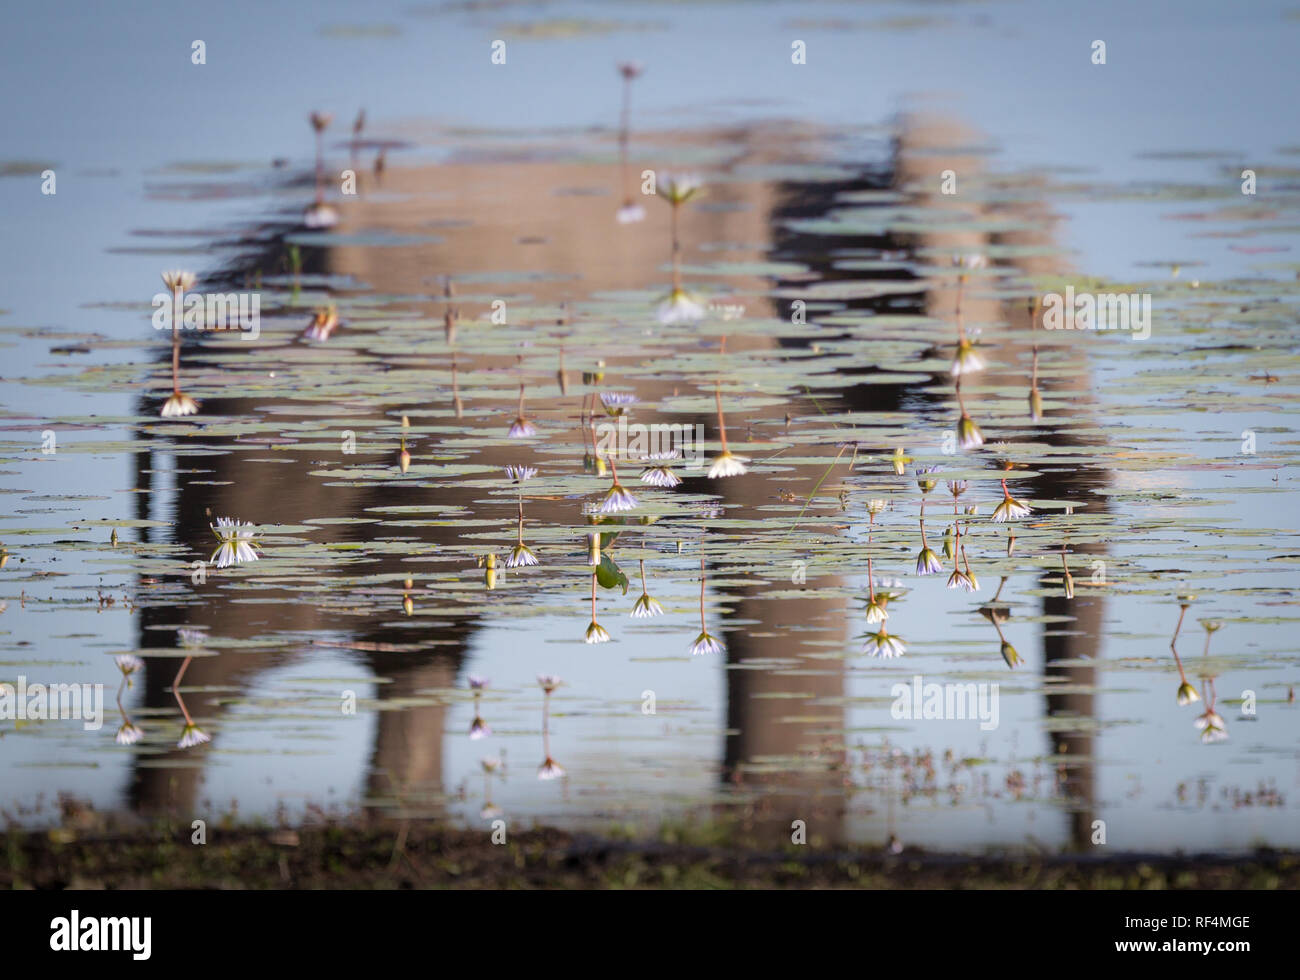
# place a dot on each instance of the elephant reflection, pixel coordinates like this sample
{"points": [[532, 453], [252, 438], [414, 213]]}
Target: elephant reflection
{"points": [[792, 761]]}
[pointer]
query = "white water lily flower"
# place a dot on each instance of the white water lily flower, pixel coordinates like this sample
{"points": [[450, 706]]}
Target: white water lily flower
{"points": [[616, 499], [596, 633], [237, 543], [178, 406], [706, 643], [960, 580], [617, 402], [680, 188], [520, 473], [1211, 726], [660, 476], [966, 361], [883, 644], [928, 563], [128, 663], [969, 435], [548, 682], [320, 215], [478, 728], [191, 736], [646, 607], [129, 733], [323, 324], [679, 307], [177, 279], [728, 463], [1010, 508], [521, 428], [550, 769], [521, 557], [630, 214]]}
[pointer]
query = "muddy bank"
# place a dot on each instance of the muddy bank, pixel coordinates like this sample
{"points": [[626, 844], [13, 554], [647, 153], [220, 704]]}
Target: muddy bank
{"points": [[347, 857]]}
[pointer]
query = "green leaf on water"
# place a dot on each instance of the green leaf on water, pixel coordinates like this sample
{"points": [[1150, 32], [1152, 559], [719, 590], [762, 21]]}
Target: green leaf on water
{"points": [[609, 575]]}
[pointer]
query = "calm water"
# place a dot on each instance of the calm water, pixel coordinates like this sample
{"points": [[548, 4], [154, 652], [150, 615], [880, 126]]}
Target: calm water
{"points": [[822, 250]]}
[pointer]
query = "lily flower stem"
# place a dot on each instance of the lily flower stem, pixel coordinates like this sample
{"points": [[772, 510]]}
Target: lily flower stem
{"points": [[320, 165], [177, 313], [623, 133], [1182, 611], [455, 387], [644, 590], [176, 690], [1182, 674], [546, 724], [722, 423], [677, 248], [703, 627]]}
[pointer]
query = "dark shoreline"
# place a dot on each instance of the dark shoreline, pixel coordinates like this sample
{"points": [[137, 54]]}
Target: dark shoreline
{"points": [[356, 856]]}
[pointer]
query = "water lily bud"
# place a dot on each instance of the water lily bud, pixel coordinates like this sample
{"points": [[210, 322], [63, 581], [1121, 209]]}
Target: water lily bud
{"points": [[1009, 654]]}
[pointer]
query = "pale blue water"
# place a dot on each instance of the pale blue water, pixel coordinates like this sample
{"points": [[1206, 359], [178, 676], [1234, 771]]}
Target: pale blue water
{"points": [[109, 96]]}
